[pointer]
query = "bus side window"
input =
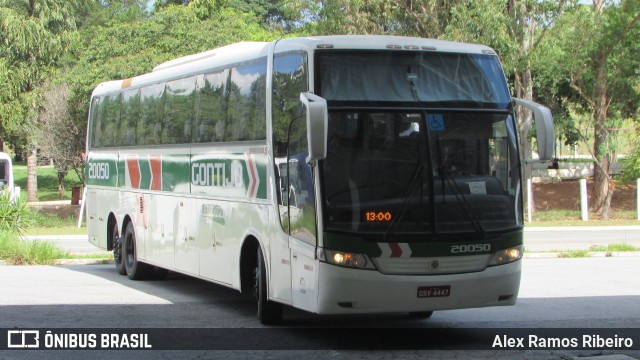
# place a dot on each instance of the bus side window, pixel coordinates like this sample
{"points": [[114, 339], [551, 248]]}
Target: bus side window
{"points": [[151, 115], [96, 119], [246, 109], [130, 115], [180, 97], [110, 123], [212, 107]]}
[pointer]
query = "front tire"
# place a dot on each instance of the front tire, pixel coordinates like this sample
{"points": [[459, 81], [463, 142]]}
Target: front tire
{"points": [[421, 315], [269, 312], [135, 269]]}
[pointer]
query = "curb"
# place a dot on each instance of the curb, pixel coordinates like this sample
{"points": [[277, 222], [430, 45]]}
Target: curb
{"points": [[589, 254], [105, 261]]}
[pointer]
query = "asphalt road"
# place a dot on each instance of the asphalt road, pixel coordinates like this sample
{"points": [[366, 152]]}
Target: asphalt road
{"points": [[561, 294]]}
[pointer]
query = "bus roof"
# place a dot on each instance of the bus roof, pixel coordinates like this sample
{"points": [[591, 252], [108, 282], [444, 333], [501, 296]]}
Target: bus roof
{"points": [[244, 51], [385, 42]]}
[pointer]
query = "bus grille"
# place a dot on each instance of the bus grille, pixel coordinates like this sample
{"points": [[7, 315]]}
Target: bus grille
{"points": [[431, 265]]}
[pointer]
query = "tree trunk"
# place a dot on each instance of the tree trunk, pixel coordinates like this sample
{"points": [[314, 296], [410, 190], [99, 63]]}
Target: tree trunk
{"points": [[61, 176], [524, 90], [32, 180], [62, 169], [601, 177]]}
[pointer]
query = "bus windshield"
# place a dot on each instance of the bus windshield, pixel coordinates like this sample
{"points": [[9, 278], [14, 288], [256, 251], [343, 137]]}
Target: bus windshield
{"points": [[405, 158], [435, 78]]}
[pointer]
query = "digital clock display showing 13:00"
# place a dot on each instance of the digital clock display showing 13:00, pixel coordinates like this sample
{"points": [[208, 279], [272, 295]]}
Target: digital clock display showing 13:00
{"points": [[378, 216]]}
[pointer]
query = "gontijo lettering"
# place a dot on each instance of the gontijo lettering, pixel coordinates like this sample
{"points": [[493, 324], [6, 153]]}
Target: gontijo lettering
{"points": [[215, 174]]}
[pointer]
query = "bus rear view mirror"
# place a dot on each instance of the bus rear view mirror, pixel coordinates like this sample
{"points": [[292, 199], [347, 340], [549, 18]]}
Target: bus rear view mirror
{"points": [[317, 119], [544, 128]]}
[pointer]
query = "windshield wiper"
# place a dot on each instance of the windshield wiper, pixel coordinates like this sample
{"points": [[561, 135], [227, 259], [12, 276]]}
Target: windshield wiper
{"points": [[417, 179], [445, 175]]}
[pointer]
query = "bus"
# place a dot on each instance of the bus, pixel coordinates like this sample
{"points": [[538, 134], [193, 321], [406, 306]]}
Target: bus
{"points": [[6, 177], [337, 174]]}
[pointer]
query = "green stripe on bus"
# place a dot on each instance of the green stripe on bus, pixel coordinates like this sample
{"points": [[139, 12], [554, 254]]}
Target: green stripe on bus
{"points": [[145, 172], [176, 173], [102, 170], [425, 248]]}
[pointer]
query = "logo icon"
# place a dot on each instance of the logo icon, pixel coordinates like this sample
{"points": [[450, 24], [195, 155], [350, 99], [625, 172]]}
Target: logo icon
{"points": [[435, 264], [23, 339]]}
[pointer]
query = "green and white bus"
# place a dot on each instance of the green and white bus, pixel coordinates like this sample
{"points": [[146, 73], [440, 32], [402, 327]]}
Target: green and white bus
{"points": [[339, 175]]}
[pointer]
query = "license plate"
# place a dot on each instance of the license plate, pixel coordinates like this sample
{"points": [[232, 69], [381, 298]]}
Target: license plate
{"points": [[434, 291]]}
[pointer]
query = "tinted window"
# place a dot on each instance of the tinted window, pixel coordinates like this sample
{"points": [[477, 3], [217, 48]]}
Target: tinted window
{"points": [[96, 118], [472, 79], [152, 111], [212, 107], [110, 122], [130, 114], [179, 111], [246, 110], [226, 105], [295, 186]]}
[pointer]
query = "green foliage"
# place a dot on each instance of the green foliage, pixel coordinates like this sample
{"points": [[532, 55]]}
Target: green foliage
{"points": [[125, 50], [13, 213], [47, 181], [404, 17], [35, 34], [109, 12], [21, 252], [563, 217], [484, 22], [631, 165], [574, 254], [615, 248]]}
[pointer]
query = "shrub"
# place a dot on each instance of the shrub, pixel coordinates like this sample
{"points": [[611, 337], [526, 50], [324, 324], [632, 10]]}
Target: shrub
{"points": [[13, 213]]}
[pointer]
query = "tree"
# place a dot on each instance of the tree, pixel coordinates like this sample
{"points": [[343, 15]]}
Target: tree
{"points": [[35, 34], [404, 17], [58, 137], [109, 12], [126, 49], [600, 44], [515, 29]]}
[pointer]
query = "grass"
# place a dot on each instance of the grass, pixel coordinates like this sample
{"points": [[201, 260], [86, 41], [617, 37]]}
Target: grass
{"points": [[574, 254], [608, 250], [572, 218], [47, 223], [615, 248], [20, 252], [47, 182]]}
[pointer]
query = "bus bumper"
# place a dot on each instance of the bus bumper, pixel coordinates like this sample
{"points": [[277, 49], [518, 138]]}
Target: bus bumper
{"points": [[353, 291]]}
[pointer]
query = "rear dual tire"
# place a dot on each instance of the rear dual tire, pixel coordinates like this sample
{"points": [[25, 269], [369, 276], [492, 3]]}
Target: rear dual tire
{"points": [[135, 270], [117, 250]]}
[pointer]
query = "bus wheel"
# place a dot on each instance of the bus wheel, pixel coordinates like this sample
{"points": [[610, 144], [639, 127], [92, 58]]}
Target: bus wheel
{"points": [[135, 269], [423, 315], [269, 312], [117, 250]]}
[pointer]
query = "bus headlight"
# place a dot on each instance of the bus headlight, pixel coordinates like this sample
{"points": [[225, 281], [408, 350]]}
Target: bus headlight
{"points": [[507, 256], [346, 259]]}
